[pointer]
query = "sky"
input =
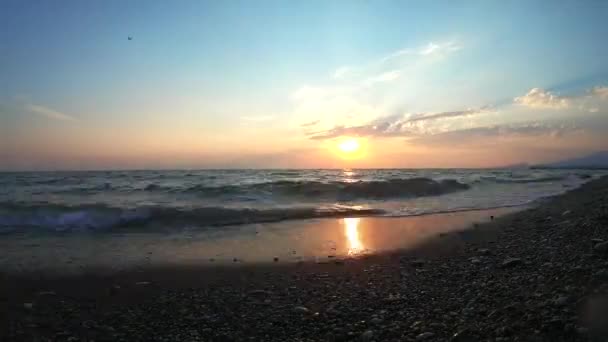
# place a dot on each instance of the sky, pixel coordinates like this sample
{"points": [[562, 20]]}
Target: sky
{"points": [[275, 84]]}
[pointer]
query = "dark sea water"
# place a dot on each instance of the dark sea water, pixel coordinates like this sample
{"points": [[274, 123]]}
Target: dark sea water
{"points": [[210, 199]]}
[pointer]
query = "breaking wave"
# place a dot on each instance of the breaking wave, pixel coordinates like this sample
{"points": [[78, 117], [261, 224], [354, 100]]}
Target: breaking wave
{"points": [[101, 217], [524, 180], [343, 190]]}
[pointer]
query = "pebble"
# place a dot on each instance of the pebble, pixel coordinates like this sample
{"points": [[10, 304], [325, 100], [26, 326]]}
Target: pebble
{"points": [[600, 275], [28, 306], [417, 263], [511, 262], [367, 336], [483, 251], [601, 248], [376, 320], [424, 336], [560, 301], [301, 309]]}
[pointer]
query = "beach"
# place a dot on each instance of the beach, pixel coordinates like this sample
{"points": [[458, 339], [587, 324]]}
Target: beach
{"points": [[531, 275]]}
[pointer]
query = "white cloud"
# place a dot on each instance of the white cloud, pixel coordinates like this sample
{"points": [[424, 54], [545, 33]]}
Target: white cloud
{"points": [[433, 48], [341, 72], [400, 125], [540, 98], [508, 131], [310, 123], [383, 77], [429, 49], [48, 112]]}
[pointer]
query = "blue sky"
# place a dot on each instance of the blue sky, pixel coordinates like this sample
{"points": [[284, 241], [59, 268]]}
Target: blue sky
{"points": [[276, 84]]}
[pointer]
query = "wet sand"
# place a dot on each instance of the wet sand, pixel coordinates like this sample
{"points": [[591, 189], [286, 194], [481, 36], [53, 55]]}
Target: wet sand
{"points": [[526, 276], [316, 240]]}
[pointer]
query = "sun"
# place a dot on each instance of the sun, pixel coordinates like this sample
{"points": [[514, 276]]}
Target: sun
{"points": [[349, 145]]}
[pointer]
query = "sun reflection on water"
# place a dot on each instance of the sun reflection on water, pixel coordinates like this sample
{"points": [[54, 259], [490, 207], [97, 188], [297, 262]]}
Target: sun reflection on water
{"points": [[349, 176], [351, 230]]}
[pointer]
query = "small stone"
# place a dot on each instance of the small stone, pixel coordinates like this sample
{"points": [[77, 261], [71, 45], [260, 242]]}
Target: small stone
{"points": [[511, 262], [367, 336], [417, 263], [28, 306], [475, 261], [601, 248], [47, 293], [462, 335], [424, 336], [259, 293], [276, 259], [142, 283], [560, 301], [301, 309], [601, 275], [376, 320], [483, 251], [392, 297]]}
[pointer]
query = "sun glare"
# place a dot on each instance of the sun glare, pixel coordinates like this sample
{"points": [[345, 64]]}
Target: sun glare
{"points": [[349, 145]]}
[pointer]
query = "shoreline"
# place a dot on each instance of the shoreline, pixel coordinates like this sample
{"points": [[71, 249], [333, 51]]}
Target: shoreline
{"points": [[524, 276], [302, 241]]}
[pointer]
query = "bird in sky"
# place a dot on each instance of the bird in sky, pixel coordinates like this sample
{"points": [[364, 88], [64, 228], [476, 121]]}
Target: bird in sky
{"points": [[130, 38]]}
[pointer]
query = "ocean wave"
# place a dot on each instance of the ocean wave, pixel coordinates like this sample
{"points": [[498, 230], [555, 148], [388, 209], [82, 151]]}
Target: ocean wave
{"points": [[523, 180], [100, 217], [338, 190]]}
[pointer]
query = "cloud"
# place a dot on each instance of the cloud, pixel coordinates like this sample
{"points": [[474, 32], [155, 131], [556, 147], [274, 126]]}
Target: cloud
{"points": [[517, 130], [453, 114], [310, 124], [398, 125], [258, 118], [433, 48], [48, 112], [542, 99], [383, 77], [429, 49], [341, 72]]}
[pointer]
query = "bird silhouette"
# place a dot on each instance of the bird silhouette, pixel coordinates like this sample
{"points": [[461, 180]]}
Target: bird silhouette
{"points": [[130, 38]]}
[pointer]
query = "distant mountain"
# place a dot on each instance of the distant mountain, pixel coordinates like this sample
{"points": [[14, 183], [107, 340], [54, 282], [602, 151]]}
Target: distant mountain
{"points": [[598, 160]]}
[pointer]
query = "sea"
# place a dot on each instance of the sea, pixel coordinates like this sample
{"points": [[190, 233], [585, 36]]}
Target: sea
{"points": [[98, 202]]}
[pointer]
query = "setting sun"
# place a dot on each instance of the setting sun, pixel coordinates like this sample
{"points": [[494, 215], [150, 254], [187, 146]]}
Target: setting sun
{"points": [[349, 145]]}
